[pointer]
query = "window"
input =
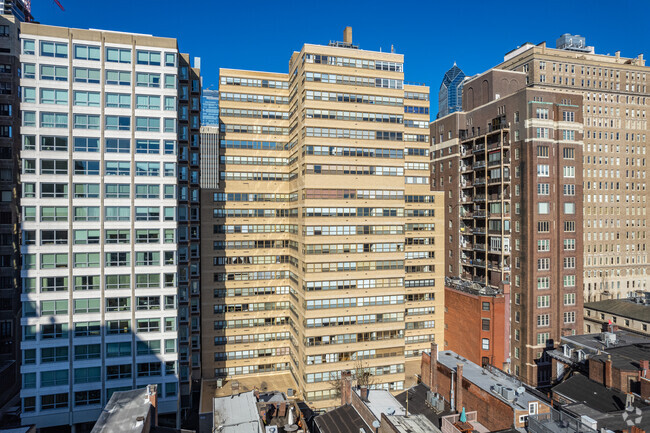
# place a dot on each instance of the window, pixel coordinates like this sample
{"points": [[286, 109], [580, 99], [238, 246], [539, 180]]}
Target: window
{"points": [[148, 325], [54, 96], [86, 167], [117, 123], [147, 236], [485, 306], [86, 237], [54, 284], [86, 329], [170, 126], [148, 58], [118, 78], [86, 260], [54, 49], [543, 189], [148, 303], [544, 245], [118, 259], [147, 146], [85, 75], [568, 116], [542, 151], [118, 372], [485, 324], [569, 189], [147, 369], [87, 398], [54, 120], [118, 168], [116, 350], [569, 244], [118, 190], [569, 299], [569, 171], [117, 145], [90, 305], [29, 70], [147, 169], [118, 213], [147, 191], [29, 47], [542, 170], [118, 100], [543, 320], [568, 153], [541, 113], [118, 282], [86, 190], [86, 99], [543, 301], [86, 213], [86, 282], [86, 52], [485, 344], [29, 94], [543, 208], [541, 132], [170, 103], [543, 264], [147, 258], [151, 124], [118, 304], [118, 236], [55, 401], [54, 237], [569, 317], [51, 213], [147, 102], [148, 347], [118, 55], [146, 79], [86, 121], [52, 308], [86, 144], [54, 190]]}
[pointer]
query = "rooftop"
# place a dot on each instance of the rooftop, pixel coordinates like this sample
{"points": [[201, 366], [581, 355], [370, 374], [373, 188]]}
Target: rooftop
{"points": [[344, 419], [413, 424], [237, 414], [125, 412], [579, 388], [492, 381], [596, 342], [623, 308], [382, 401], [418, 403], [209, 389], [626, 357]]}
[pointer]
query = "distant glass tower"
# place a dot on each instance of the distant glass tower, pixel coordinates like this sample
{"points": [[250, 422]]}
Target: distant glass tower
{"points": [[450, 96], [210, 108]]}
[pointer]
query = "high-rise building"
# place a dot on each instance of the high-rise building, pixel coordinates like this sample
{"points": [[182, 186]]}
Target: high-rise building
{"points": [[21, 9], [616, 97], [510, 166], [109, 212], [210, 107], [10, 305], [325, 247], [450, 95], [188, 237]]}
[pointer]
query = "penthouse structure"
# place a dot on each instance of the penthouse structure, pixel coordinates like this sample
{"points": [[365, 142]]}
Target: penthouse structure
{"points": [[325, 238]]}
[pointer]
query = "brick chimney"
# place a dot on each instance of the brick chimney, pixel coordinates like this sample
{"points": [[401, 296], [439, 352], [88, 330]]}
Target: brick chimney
{"points": [[459, 387], [608, 372], [152, 396], [645, 366], [363, 391], [346, 387]]}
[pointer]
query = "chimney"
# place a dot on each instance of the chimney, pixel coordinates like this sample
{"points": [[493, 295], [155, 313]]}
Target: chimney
{"points": [[363, 390], [608, 372], [618, 54], [459, 387], [644, 366], [433, 365], [347, 35], [152, 397], [346, 387]]}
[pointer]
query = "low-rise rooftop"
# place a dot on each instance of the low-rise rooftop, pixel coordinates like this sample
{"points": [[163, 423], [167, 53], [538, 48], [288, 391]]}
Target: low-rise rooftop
{"points": [[491, 380], [623, 308], [412, 424], [125, 412], [381, 401]]}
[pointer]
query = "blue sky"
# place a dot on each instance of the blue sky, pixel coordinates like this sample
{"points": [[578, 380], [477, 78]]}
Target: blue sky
{"points": [[261, 35]]}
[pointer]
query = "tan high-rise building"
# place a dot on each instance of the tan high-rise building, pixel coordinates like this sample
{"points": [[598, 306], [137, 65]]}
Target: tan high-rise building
{"points": [[325, 251], [615, 94]]}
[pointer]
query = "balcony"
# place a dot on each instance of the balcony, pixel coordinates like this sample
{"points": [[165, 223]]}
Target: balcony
{"points": [[479, 164], [465, 167], [480, 213], [466, 183], [478, 148], [467, 245], [479, 247], [479, 181], [479, 197], [478, 230]]}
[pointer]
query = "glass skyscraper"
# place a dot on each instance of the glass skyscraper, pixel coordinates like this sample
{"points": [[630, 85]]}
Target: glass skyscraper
{"points": [[450, 96], [210, 107]]}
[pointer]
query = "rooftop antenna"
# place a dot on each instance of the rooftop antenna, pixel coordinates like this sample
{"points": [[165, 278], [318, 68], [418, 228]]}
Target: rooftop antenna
{"points": [[392, 48], [58, 3]]}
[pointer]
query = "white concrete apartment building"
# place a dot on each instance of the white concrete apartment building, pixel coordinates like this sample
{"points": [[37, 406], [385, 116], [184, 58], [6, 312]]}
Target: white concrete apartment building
{"points": [[99, 206]]}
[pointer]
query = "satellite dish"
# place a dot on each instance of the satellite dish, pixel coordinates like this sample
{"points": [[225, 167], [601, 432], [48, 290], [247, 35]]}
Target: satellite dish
{"points": [[375, 424]]}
